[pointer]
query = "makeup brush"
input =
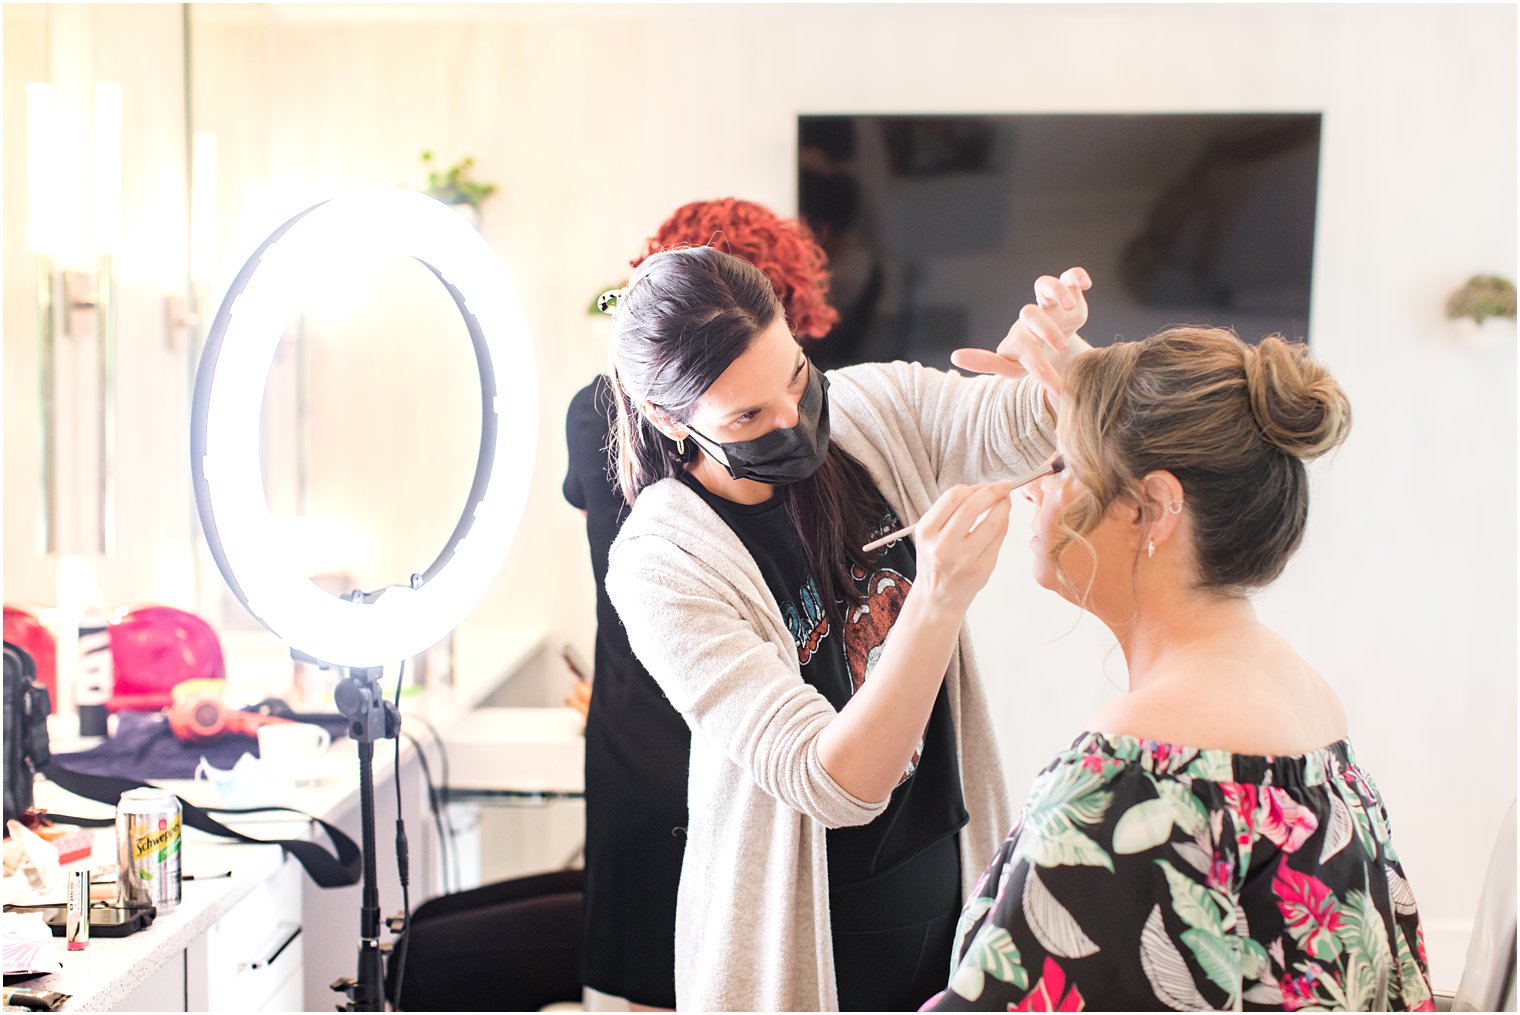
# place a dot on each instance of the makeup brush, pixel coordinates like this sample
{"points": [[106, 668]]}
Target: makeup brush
{"points": [[1053, 465]]}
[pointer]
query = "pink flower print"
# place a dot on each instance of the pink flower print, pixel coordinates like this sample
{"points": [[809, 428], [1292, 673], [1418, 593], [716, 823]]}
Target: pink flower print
{"points": [[1221, 874], [1165, 757], [1309, 909], [1358, 782], [1051, 993], [1285, 821], [1093, 763], [1240, 798], [1419, 945], [1297, 991]]}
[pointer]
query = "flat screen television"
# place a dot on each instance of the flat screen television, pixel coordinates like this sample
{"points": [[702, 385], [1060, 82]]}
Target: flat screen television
{"points": [[936, 226]]}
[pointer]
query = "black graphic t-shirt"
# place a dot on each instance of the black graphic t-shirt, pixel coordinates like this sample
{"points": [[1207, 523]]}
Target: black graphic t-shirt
{"points": [[927, 804]]}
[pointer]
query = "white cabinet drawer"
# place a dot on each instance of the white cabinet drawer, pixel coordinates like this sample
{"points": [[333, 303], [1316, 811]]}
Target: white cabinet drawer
{"points": [[256, 947]]}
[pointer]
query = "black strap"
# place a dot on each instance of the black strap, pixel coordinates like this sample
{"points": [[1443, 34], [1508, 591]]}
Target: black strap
{"points": [[325, 869]]}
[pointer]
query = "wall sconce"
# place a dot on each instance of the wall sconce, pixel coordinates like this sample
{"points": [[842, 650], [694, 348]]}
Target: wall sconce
{"points": [[76, 320]]}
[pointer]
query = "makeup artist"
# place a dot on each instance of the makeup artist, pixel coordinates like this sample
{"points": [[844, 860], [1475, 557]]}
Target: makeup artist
{"points": [[636, 744], [844, 785]]}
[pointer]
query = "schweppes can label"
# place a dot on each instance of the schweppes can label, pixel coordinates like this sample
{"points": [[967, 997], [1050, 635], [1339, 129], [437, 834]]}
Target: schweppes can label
{"points": [[148, 837]]}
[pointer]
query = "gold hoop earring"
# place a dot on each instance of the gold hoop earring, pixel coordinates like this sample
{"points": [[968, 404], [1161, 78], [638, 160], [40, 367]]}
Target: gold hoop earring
{"points": [[681, 446]]}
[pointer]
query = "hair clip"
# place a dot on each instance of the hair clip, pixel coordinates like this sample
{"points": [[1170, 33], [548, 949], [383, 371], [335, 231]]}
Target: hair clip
{"points": [[609, 301]]}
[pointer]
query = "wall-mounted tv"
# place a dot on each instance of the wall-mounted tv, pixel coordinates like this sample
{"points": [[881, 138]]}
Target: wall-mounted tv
{"points": [[936, 226]]}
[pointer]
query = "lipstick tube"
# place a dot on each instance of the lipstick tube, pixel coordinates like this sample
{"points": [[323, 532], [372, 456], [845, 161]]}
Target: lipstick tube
{"points": [[77, 926]]}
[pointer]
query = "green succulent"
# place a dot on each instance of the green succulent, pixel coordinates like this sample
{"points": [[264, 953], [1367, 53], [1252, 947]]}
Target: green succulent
{"points": [[454, 186], [1482, 297]]}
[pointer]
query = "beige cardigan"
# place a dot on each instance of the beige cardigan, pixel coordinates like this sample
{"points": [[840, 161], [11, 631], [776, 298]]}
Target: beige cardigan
{"points": [[752, 914]]}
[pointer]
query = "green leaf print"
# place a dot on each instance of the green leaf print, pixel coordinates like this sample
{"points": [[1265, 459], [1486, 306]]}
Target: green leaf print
{"points": [[1075, 793], [974, 911], [1212, 766], [1363, 932], [1254, 960], [993, 953], [1191, 901], [1062, 846], [1217, 960], [1412, 983], [1064, 798], [1362, 822], [1368, 961], [1186, 810], [1144, 826]]}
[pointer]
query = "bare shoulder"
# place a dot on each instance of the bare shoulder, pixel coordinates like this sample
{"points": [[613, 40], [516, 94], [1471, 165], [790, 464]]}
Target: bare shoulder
{"points": [[1244, 710]]}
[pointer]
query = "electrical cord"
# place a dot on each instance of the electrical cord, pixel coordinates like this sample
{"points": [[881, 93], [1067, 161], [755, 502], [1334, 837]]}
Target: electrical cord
{"points": [[434, 804], [403, 862], [452, 846]]}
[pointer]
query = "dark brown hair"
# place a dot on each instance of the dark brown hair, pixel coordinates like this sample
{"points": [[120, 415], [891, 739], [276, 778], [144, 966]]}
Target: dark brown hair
{"points": [[1233, 422], [683, 319]]}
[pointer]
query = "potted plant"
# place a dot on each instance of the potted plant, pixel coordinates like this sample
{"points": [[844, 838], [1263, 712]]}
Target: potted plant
{"points": [[1483, 298], [454, 186]]}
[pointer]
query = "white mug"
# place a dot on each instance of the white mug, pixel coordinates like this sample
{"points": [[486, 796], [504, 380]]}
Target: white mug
{"points": [[290, 751]]}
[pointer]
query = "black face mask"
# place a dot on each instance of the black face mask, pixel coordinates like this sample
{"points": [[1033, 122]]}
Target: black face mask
{"points": [[781, 456]]}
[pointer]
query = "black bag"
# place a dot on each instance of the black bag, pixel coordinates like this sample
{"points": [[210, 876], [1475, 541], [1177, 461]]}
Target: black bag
{"points": [[27, 755], [26, 739]]}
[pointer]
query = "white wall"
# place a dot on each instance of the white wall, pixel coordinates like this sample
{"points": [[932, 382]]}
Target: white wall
{"points": [[599, 121]]}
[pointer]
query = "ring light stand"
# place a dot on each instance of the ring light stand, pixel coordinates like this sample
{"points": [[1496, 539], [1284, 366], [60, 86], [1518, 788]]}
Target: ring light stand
{"points": [[359, 633]]}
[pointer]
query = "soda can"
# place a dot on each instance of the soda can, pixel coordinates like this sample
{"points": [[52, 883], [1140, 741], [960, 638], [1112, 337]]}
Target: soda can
{"points": [[148, 836]]}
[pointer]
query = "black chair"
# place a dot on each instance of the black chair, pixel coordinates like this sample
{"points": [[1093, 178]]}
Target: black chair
{"points": [[510, 946]]}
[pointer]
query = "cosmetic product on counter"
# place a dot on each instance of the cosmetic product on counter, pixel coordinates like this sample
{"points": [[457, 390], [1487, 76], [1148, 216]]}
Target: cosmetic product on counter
{"points": [[31, 999]]}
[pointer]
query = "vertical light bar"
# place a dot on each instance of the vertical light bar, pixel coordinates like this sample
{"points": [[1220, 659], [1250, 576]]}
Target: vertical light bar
{"points": [[41, 170], [203, 223], [106, 216], [106, 174], [42, 239]]}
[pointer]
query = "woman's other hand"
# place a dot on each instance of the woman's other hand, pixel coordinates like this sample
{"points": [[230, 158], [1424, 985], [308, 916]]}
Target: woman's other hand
{"points": [[958, 540], [1044, 340]]}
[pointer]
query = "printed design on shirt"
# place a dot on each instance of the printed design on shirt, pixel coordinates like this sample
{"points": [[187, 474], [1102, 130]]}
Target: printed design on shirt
{"points": [[888, 523], [810, 624], [867, 626]]}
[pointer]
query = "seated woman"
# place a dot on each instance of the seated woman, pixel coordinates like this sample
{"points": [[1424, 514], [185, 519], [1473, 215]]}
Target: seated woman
{"points": [[1212, 842]]}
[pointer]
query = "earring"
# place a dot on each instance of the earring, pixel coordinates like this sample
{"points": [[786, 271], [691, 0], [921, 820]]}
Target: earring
{"points": [[681, 446], [1175, 507], [1150, 547]]}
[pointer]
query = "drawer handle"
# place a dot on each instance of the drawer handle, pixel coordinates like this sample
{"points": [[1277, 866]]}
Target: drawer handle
{"points": [[287, 933]]}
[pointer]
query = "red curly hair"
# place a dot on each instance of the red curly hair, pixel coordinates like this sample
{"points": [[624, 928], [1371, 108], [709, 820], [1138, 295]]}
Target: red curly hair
{"points": [[782, 248]]}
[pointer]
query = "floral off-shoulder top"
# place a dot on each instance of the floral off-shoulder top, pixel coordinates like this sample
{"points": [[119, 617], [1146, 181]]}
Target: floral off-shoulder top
{"points": [[1143, 875]]}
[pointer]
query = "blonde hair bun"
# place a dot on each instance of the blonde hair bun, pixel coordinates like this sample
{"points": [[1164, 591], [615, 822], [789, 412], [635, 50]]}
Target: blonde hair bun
{"points": [[1298, 405]]}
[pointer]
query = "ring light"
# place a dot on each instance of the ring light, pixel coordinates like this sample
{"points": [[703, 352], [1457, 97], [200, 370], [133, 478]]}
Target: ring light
{"points": [[398, 622]]}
